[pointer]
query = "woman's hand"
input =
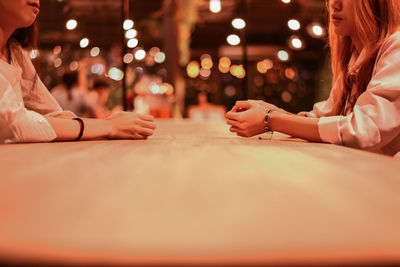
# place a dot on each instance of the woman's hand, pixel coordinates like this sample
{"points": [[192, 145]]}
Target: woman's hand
{"points": [[247, 117], [244, 105], [130, 125]]}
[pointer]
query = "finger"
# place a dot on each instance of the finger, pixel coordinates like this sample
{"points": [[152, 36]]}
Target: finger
{"points": [[129, 135], [234, 129], [143, 131], [234, 116], [233, 123], [146, 124], [146, 117], [242, 105], [238, 109]]}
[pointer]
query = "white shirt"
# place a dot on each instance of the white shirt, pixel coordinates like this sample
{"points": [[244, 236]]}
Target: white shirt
{"points": [[374, 123], [24, 100]]}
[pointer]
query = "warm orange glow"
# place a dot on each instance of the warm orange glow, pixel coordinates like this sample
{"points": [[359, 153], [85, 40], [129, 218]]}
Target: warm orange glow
{"points": [[238, 71], [290, 73], [224, 64], [193, 69], [166, 88], [207, 63], [57, 50], [264, 66]]}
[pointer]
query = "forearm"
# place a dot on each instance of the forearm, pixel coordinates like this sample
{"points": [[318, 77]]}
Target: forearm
{"points": [[296, 126], [68, 129]]}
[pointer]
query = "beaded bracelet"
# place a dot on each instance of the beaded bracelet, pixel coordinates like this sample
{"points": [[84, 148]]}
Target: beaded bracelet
{"points": [[267, 128]]}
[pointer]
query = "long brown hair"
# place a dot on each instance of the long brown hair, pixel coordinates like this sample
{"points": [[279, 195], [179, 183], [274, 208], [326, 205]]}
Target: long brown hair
{"points": [[375, 21], [26, 37]]}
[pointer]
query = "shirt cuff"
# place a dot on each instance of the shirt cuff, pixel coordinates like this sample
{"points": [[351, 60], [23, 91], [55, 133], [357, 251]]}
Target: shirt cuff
{"points": [[329, 131], [32, 128]]}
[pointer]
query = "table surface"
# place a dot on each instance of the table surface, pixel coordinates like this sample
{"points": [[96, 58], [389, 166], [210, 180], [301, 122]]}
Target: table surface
{"points": [[196, 194]]}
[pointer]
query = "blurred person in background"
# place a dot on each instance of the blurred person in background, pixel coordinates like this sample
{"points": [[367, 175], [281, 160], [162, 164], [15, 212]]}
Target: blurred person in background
{"points": [[98, 99], [205, 110], [363, 109], [28, 112], [71, 97]]}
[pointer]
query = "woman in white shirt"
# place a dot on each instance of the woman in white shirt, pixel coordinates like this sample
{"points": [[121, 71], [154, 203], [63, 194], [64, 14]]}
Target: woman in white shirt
{"points": [[28, 112], [363, 109]]}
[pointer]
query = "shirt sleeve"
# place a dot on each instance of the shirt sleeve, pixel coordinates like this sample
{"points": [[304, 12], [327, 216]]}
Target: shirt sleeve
{"points": [[17, 124], [375, 120]]}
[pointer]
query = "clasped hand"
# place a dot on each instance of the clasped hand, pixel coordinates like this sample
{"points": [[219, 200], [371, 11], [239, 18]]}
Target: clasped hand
{"points": [[246, 118]]}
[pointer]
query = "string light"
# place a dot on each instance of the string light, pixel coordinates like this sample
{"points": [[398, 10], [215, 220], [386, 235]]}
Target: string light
{"points": [[128, 24], [95, 51], [159, 57], [233, 39], [193, 69], [74, 65], [316, 30], [140, 54], [283, 55], [57, 50], [115, 74], [238, 23], [71, 24], [295, 42], [84, 42], [215, 6], [294, 24], [132, 33], [128, 58], [132, 43]]}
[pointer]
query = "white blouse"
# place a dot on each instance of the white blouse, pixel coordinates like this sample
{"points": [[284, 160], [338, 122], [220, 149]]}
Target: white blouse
{"points": [[24, 100], [374, 123]]}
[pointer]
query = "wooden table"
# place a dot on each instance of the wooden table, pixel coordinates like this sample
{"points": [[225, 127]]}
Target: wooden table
{"points": [[196, 194]]}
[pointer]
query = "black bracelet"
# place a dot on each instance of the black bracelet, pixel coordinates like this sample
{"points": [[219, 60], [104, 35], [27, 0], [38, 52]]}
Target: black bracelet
{"points": [[82, 128], [267, 128]]}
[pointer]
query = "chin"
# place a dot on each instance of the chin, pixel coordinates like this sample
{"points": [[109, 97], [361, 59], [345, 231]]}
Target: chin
{"points": [[341, 33], [27, 21]]}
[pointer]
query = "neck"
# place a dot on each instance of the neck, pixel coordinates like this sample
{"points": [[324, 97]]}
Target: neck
{"points": [[357, 44]]}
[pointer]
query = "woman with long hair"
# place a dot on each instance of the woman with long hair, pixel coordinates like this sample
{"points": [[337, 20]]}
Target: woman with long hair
{"points": [[363, 109], [28, 112]]}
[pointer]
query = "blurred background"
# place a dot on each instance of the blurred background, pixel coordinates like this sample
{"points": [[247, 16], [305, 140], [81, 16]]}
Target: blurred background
{"points": [[182, 58]]}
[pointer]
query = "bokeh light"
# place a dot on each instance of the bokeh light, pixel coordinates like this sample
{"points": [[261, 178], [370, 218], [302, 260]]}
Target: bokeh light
{"points": [[238, 23], [84, 42], [128, 24], [115, 74], [294, 24], [71, 24], [215, 6], [193, 69], [233, 39]]}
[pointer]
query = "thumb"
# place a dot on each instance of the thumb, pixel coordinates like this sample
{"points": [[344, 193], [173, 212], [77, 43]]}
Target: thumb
{"points": [[241, 105]]}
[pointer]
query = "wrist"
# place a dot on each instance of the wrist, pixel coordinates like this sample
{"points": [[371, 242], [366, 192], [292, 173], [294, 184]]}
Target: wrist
{"points": [[109, 128], [267, 121], [272, 120]]}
